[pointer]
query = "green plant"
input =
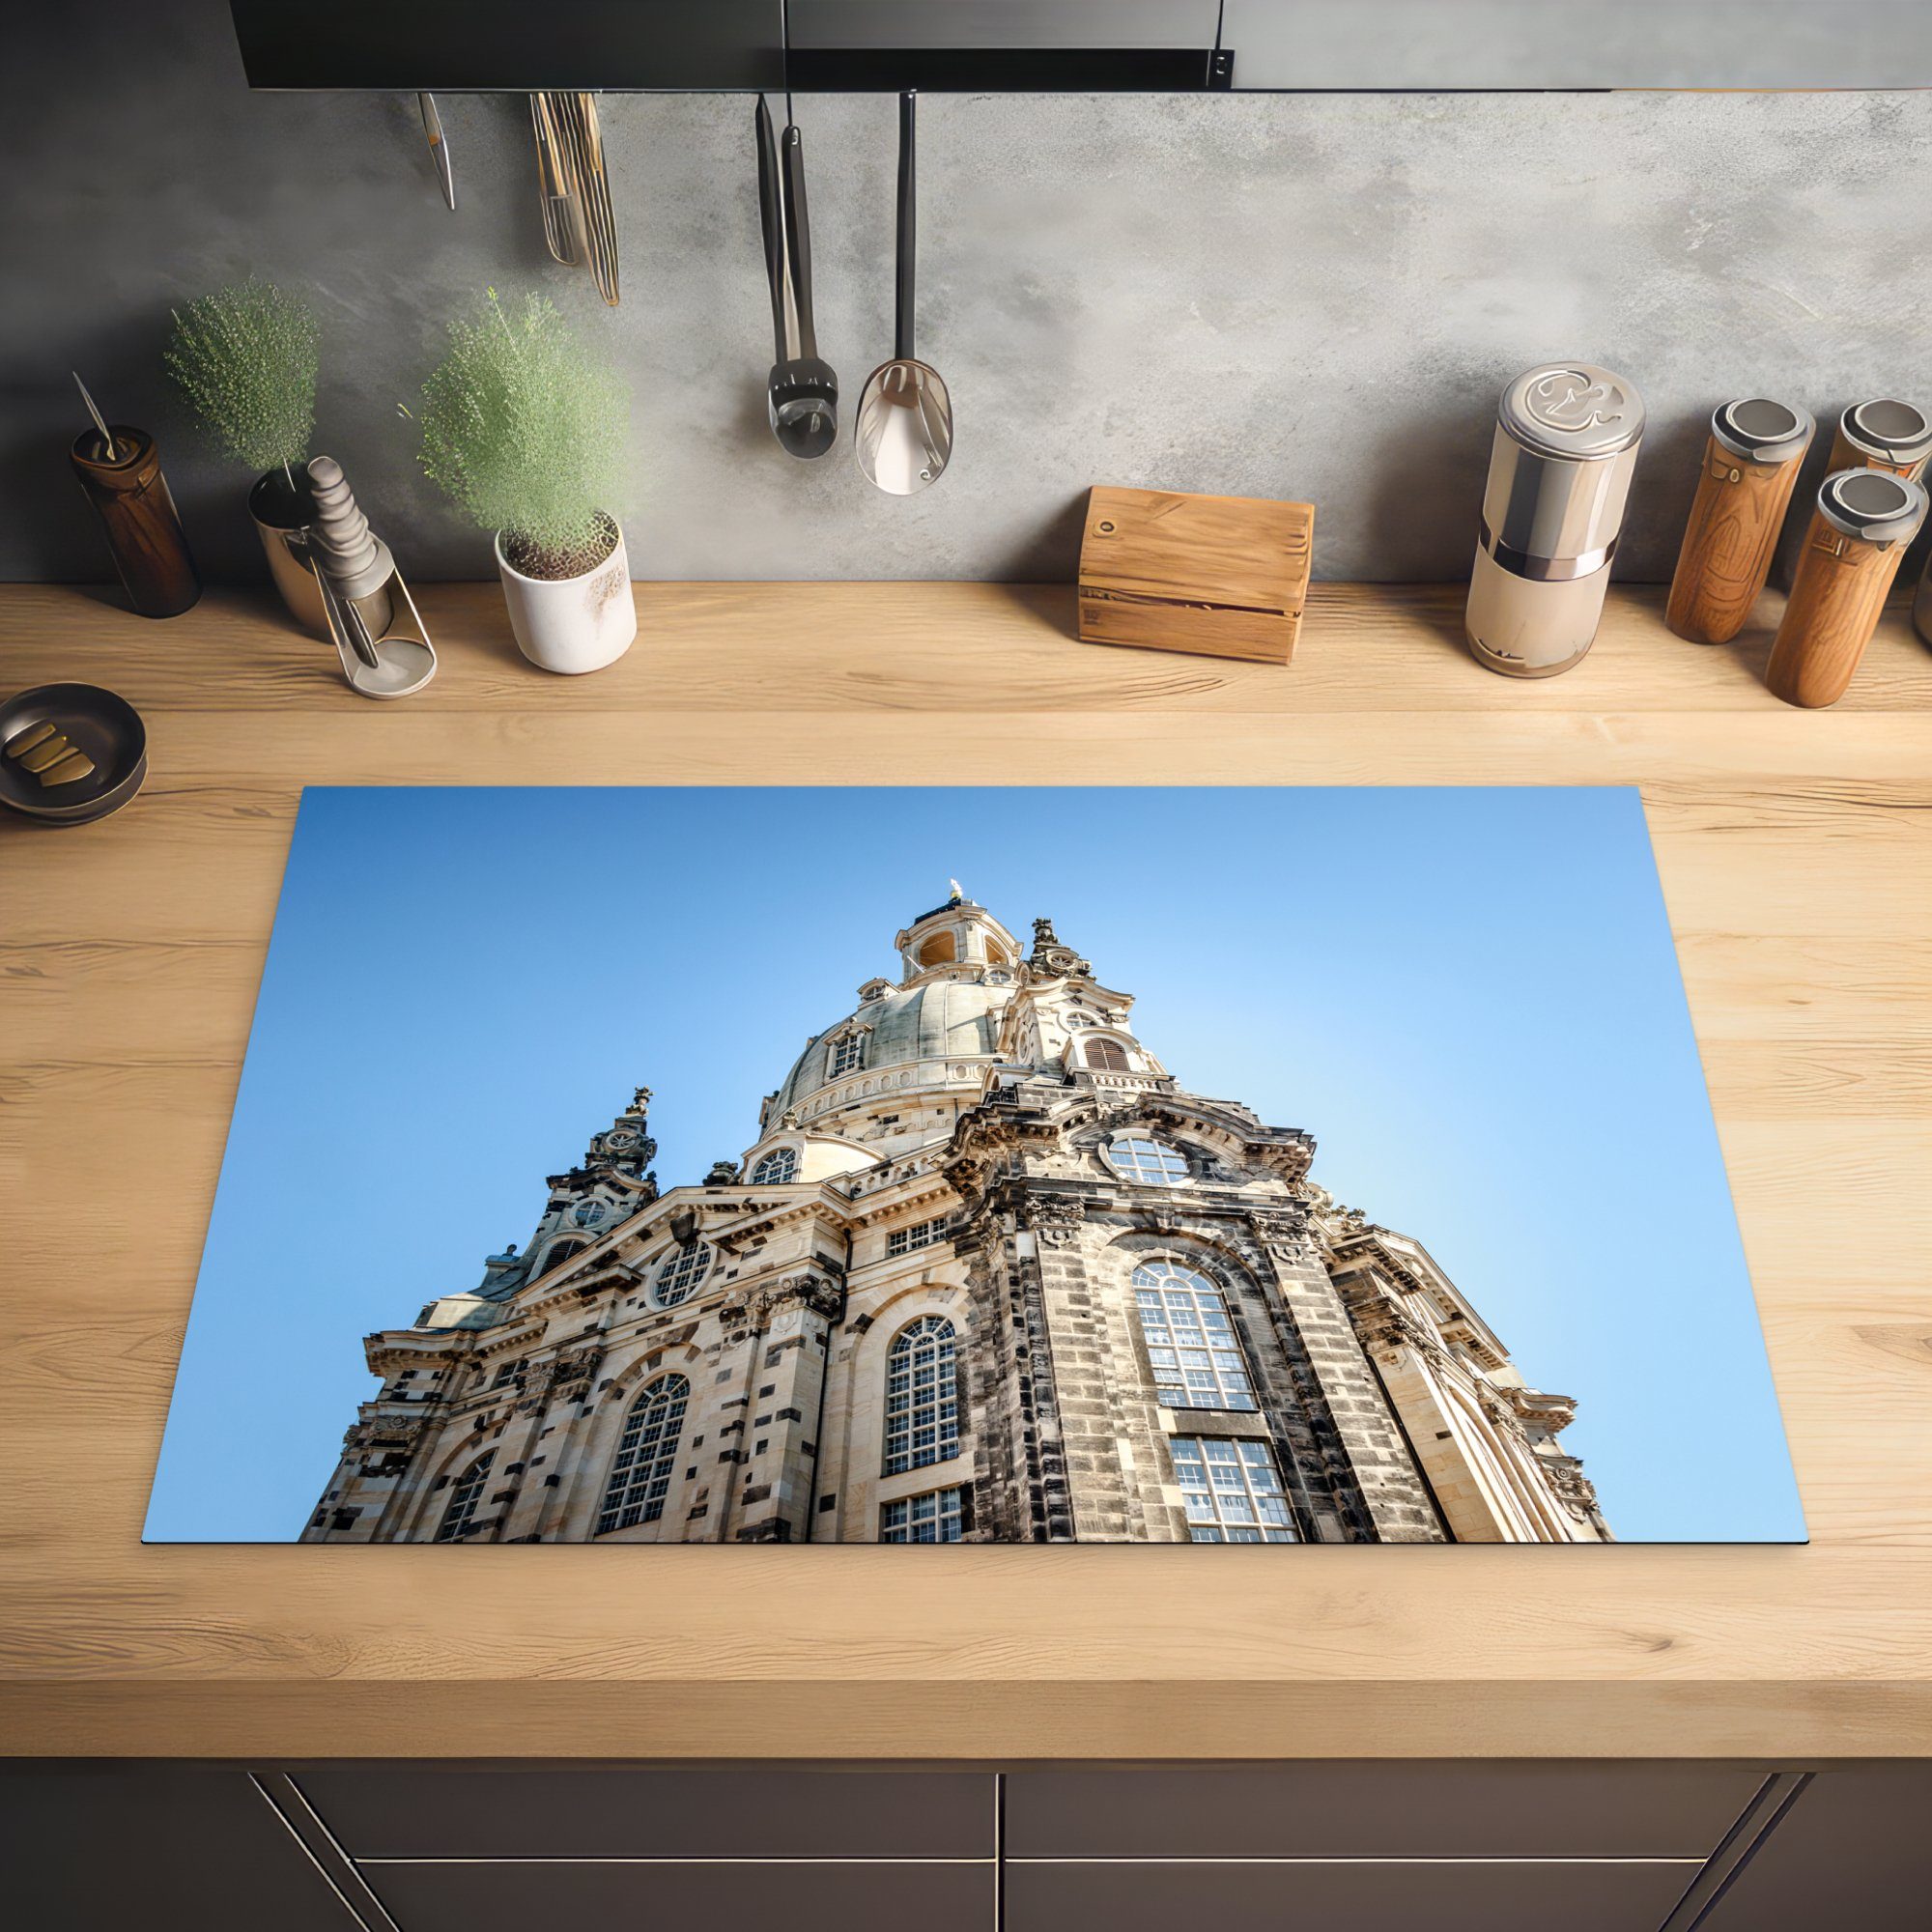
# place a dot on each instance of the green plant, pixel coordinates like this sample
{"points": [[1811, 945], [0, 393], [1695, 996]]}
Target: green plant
{"points": [[246, 359], [524, 430]]}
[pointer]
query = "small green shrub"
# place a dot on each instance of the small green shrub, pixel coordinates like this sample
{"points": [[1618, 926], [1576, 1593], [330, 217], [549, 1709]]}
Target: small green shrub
{"points": [[524, 429], [246, 359]]}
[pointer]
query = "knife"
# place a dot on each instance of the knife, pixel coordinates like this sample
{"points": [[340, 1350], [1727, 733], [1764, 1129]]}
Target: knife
{"points": [[439, 148]]}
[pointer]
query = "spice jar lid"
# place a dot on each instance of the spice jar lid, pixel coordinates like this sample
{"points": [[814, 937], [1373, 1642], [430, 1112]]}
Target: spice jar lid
{"points": [[1892, 431], [1572, 411], [1872, 504], [1762, 431]]}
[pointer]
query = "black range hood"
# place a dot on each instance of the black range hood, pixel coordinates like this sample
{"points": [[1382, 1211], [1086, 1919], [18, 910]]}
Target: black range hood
{"points": [[822, 46]]}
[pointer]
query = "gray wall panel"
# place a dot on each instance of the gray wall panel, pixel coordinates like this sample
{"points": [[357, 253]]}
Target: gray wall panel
{"points": [[1268, 294]]}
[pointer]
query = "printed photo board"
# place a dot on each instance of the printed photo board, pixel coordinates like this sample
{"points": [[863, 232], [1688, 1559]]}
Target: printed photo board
{"points": [[1155, 1165]]}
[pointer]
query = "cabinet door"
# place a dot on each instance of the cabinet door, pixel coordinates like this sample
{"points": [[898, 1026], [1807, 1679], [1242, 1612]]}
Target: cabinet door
{"points": [[1576, 43], [161, 1847], [491, 45], [1029, 45], [823, 1897], [1855, 1851]]}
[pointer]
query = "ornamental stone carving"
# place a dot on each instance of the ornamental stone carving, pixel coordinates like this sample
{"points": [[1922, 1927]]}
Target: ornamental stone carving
{"points": [[1055, 1218], [819, 1296], [1283, 1235]]}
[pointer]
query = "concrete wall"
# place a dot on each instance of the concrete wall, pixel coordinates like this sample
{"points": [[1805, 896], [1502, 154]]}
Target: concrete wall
{"points": [[1271, 295]]}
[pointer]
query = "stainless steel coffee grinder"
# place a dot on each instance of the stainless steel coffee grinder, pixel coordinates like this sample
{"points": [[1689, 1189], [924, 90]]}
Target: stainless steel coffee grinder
{"points": [[1566, 442]]}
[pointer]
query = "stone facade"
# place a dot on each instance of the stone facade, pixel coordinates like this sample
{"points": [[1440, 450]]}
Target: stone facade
{"points": [[989, 1274]]}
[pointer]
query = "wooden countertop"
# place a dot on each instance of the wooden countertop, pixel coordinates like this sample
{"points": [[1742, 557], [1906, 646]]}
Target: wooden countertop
{"points": [[1796, 852]]}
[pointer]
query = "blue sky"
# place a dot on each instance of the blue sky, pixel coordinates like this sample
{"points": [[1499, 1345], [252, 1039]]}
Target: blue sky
{"points": [[1469, 997]]}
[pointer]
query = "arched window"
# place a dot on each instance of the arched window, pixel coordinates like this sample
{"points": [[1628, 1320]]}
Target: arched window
{"points": [[847, 1056], [1106, 1055], [1232, 1491], [922, 1396], [686, 1267], [647, 1455], [1195, 1353], [777, 1168], [458, 1518], [1140, 1157], [561, 1252]]}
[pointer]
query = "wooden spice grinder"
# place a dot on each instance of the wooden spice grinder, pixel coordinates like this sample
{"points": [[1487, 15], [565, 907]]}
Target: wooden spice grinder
{"points": [[1883, 435], [122, 478], [1750, 468], [1860, 530]]}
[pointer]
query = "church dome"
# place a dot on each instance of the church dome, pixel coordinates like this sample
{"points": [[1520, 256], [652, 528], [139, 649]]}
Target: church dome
{"points": [[938, 1020]]}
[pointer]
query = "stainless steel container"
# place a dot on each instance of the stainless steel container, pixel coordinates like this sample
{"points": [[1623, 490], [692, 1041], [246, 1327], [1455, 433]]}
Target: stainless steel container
{"points": [[1566, 440]]}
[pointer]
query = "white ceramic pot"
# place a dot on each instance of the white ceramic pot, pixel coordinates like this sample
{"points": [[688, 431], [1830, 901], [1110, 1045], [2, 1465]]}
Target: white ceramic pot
{"points": [[572, 624]]}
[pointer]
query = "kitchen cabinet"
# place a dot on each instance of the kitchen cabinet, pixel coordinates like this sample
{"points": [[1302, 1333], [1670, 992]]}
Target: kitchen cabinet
{"points": [[800, 1897], [1855, 1850], [564, 1811], [488, 45], [95, 1847], [1340, 1898], [1375, 1811]]}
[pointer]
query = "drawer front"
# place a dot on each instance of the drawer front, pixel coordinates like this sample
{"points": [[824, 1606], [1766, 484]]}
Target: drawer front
{"points": [[422, 1811], [1417, 1810], [797, 1897], [103, 1848], [1340, 1898], [1854, 1850]]}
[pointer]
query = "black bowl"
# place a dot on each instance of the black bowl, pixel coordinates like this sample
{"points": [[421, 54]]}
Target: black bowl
{"points": [[107, 728]]}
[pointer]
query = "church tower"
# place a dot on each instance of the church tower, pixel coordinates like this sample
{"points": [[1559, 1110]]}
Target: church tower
{"points": [[988, 1272]]}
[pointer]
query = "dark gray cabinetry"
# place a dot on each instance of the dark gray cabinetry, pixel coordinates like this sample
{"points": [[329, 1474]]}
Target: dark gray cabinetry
{"points": [[158, 1847], [817, 1897], [1306, 1897], [422, 1811], [1363, 1810], [1855, 1851]]}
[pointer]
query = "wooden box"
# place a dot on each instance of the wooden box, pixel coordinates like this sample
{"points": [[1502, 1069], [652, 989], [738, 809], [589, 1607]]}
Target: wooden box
{"points": [[1224, 576]]}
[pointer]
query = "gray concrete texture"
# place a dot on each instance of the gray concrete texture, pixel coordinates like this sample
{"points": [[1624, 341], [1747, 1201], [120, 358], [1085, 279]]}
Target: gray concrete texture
{"points": [[1300, 296]]}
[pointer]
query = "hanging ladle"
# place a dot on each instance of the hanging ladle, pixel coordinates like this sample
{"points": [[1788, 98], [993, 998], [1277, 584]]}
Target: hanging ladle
{"points": [[903, 437]]}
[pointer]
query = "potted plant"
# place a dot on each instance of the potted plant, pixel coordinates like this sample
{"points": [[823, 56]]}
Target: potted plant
{"points": [[244, 358], [524, 429]]}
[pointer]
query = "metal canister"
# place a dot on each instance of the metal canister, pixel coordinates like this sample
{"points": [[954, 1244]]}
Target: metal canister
{"points": [[1884, 435], [1566, 442]]}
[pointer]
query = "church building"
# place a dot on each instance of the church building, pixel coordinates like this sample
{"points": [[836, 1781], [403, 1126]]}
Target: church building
{"points": [[988, 1273]]}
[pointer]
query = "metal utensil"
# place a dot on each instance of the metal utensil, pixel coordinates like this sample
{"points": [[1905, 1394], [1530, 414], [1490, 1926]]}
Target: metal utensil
{"points": [[903, 434], [562, 218], [579, 150], [110, 449], [802, 391], [439, 148]]}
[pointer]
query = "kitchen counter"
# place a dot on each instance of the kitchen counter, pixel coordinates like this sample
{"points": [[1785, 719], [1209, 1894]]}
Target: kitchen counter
{"points": [[1796, 855]]}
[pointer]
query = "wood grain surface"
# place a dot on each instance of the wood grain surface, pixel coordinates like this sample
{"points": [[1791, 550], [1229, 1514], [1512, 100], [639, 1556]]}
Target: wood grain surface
{"points": [[1728, 542], [1836, 599], [1796, 854]]}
